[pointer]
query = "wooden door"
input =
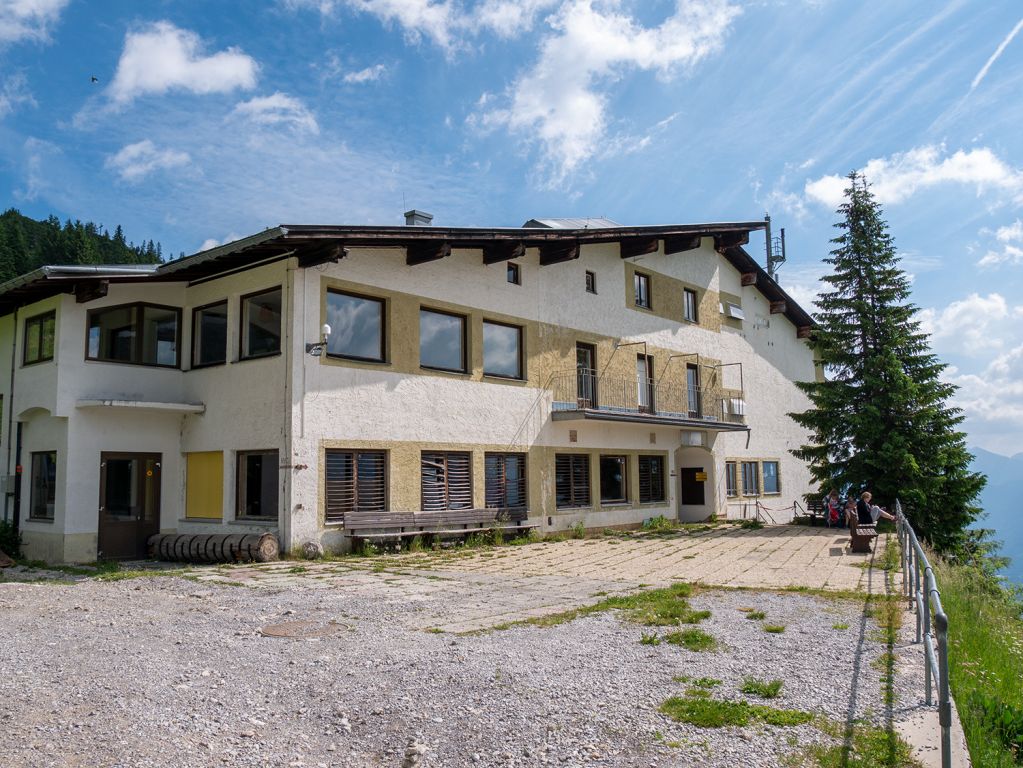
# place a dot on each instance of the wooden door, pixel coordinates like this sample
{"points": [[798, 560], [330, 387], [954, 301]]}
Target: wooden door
{"points": [[692, 490], [129, 504]]}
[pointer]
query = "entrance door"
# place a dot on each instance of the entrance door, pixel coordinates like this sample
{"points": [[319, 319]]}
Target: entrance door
{"points": [[586, 375], [129, 504], [691, 492]]}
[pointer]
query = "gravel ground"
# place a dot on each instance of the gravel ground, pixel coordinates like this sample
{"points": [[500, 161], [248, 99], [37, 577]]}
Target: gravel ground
{"points": [[166, 672]]}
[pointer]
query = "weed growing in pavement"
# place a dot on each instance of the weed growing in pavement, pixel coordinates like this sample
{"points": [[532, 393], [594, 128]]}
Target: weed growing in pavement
{"points": [[434, 630], [700, 682], [751, 524], [862, 746], [692, 639], [579, 530], [699, 693], [840, 625], [756, 615], [659, 523], [774, 629], [761, 688], [297, 569], [650, 639], [710, 713]]}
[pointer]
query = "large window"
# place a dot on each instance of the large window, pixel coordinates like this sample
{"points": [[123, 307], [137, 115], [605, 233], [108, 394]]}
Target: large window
{"points": [[442, 341], [261, 324], [506, 480], [613, 485], [140, 334], [356, 482], [750, 479], [502, 350], [770, 472], [651, 479], [447, 481], [357, 326], [209, 335], [44, 485], [731, 479], [39, 334], [641, 284], [572, 480], [257, 484], [689, 298]]}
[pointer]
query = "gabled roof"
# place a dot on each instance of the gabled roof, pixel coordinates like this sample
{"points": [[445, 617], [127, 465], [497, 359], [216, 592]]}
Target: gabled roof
{"points": [[318, 244]]}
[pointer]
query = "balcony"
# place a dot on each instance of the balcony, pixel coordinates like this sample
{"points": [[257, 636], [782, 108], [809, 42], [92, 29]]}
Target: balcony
{"points": [[585, 394]]}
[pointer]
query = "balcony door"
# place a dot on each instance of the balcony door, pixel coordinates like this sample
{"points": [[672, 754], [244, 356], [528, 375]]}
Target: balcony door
{"points": [[693, 391], [586, 375], [129, 504], [645, 383]]}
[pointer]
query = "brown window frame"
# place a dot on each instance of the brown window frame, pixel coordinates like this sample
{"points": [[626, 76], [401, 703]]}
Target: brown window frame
{"points": [[465, 341], [731, 479], [514, 273], [239, 513], [242, 355], [623, 460], [746, 489], [591, 281], [500, 492], [369, 497], [51, 489], [695, 317], [383, 327], [137, 307], [653, 495], [463, 489], [641, 290], [579, 491], [38, 320], [522, 358], [195, 334]]}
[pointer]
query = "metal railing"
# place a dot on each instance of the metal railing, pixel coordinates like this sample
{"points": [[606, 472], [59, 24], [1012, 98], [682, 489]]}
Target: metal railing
{"points": [[586, 389], [920, 587]]}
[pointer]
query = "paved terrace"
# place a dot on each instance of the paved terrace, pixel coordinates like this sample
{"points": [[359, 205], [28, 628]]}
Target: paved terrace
{"points": [[492, 586]]}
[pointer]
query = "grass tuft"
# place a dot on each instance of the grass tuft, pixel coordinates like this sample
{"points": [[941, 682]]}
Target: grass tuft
{"points": [[756, 615], [761, 688], [650, 639], [774, 629], [692, 639], [710, 713]]}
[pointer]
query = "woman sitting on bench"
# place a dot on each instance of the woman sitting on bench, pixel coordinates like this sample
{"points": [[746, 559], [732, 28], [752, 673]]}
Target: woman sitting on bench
{"points": [[869, 514]]}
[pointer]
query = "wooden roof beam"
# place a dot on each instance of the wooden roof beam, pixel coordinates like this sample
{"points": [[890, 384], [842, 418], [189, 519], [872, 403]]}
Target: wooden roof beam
{"points": [[778, 307], [495, 253], [420, 253], [87, 290], [637, 246], [748, 278], [680, 243], [804, 331], [726, 240], [555, 253], [328, 253]]}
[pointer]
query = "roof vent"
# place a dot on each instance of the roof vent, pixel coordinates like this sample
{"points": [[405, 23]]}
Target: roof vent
{"points": [[416, 218]]}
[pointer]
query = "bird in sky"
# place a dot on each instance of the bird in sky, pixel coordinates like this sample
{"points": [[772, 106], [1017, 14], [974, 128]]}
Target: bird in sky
{"points": [[95, 79]]}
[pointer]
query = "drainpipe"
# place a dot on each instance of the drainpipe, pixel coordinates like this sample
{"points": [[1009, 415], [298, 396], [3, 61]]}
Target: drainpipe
{"points": [[10, 427]]}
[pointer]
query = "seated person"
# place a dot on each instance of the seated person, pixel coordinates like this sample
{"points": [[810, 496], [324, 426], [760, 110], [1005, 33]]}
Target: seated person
{"points": [[869, 514]]}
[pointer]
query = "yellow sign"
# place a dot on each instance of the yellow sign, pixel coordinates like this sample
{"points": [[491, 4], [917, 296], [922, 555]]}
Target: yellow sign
{"points": [[701, 477]]}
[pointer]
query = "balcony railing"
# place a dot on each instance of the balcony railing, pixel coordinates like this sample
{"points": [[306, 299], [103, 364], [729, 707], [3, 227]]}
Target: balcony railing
{"points": [[586, 390]]}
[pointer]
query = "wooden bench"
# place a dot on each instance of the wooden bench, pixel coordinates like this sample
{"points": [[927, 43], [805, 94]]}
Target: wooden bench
{"points": [[860, 536], [395, 526], [815, 509]]}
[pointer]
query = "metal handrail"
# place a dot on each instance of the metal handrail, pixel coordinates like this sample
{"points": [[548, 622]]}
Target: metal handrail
{"points": [[926, 601]]}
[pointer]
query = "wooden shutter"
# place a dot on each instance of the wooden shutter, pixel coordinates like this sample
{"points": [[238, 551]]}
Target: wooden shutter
{"points": [[356, 482], [651, 479], [505, 480], [446, 481], [572, 480]]}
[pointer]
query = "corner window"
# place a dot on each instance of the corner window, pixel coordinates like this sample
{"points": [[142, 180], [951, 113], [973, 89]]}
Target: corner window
{"points": [[356, 482], [502, 350], [505, 475], [138, 334], [572, 480], [651, 479], [257, 484], [261, 324], [39, 335], [442, 341], [690, 305], [750, 479], [44, 485], [209, 335], [514, 274], [613, 485], [446, 481], [641, 284], [591, 282], [731, 479], [770, 472], [357, 326]]}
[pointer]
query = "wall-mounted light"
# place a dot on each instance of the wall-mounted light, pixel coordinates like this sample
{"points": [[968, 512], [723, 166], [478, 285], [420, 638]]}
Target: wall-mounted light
{"points": [[316, 349]]}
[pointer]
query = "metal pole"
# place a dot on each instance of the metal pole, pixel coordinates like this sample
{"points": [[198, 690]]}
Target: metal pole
{"points": [[927, 633], [944, 696]]}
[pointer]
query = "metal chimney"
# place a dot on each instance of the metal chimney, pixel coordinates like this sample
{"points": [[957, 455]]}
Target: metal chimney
{"points": [[416, 218]]}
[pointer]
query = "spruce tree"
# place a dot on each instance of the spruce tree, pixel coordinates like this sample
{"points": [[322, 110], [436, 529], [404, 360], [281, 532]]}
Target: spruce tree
{"points": [[880, 417]]}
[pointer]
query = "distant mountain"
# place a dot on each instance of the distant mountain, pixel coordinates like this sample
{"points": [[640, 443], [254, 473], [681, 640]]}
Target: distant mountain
{"points": [[1002, 500], [27, 244]]}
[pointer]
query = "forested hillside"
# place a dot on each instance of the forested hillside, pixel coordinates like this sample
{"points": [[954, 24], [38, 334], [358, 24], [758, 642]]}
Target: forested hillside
{"points": [[26, 244]]}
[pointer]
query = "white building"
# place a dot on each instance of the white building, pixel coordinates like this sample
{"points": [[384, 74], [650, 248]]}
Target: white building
{"points": [[576, 371]]}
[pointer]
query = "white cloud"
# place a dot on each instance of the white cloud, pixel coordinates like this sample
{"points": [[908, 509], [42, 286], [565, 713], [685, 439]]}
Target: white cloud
{"points": [[1010, 243], [28, 19], [36, 158], [975, 326], [212, 242], [994, 56], [14, 92], [996, 394], [896, 178], [558, 104], [367, 75], [136, 161], [508, 18], [161, 57], [278, 109]]}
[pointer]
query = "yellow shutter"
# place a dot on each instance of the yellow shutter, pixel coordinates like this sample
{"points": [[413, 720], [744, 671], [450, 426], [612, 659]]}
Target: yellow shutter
{"points": [[204, 485]]}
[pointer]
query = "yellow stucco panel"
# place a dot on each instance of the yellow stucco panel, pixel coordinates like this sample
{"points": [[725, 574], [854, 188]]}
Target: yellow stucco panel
{"points": [[204, 485]]}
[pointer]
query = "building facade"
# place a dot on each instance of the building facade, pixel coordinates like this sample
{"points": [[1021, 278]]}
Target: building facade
{"points": [[600, 375]]}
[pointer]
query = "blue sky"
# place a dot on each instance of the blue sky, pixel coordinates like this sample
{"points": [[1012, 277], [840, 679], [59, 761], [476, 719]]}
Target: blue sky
{"points": [[214, 120]]}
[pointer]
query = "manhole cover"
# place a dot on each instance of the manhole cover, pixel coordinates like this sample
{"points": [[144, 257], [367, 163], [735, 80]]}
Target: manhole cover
{"points": [[302, 629]]}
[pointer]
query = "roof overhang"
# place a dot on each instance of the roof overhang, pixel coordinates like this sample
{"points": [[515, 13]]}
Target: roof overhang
{"points": [[653, 420]]}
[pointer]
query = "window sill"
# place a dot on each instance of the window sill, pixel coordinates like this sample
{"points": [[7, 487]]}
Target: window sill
{"points": [[270, 522], [266, 356], [207, 520], [29, 364], [133, 364], [350, 359], [445, 371], [48, 520], [497, 379], [204, 366], [574, 509], [624, 503]]}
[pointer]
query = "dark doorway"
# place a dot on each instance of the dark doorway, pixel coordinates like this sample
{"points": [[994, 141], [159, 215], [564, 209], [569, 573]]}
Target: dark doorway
{"points": [[586, 375], [692, 489], [129, 504]]}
